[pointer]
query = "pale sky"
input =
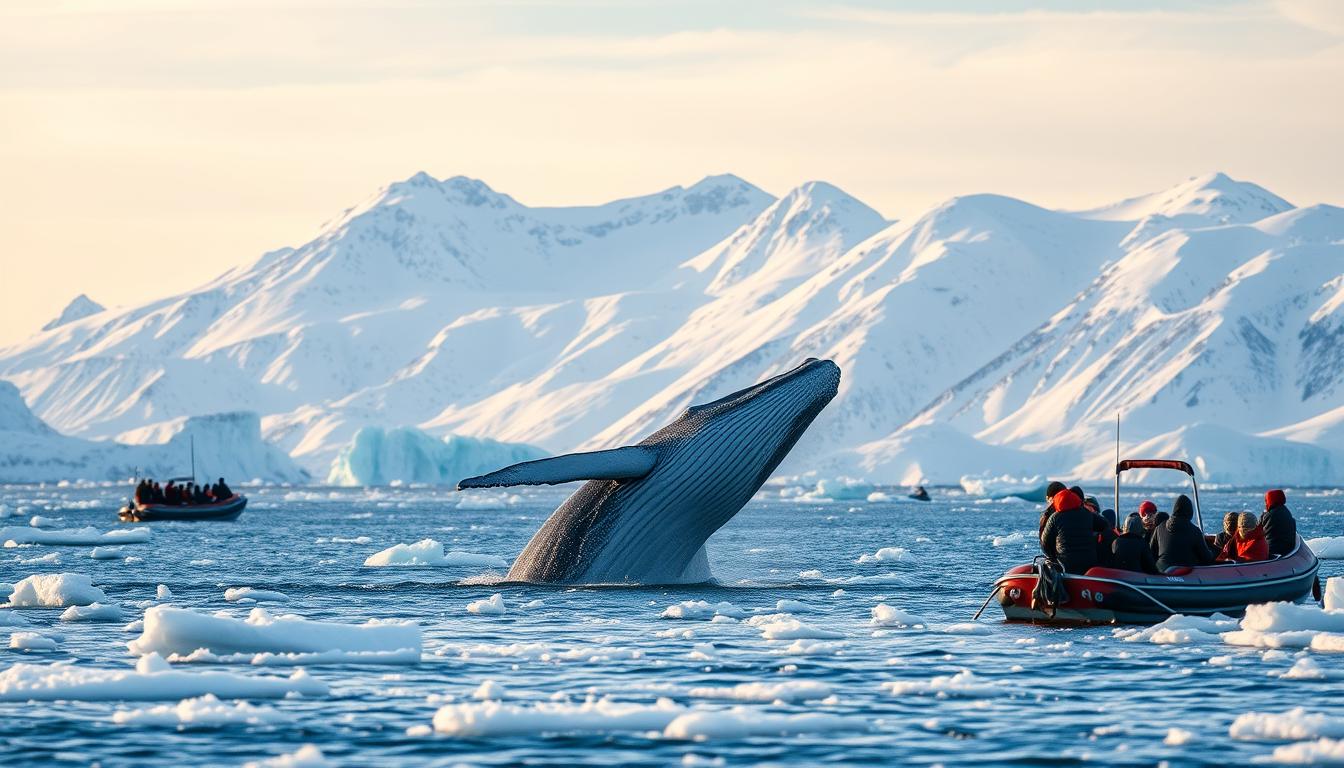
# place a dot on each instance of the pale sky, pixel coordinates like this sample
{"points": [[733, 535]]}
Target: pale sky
{"points": [[149, 145]]}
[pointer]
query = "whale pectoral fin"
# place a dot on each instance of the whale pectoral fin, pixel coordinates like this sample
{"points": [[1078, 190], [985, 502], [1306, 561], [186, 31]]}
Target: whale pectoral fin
{"points": [[628, 463]]}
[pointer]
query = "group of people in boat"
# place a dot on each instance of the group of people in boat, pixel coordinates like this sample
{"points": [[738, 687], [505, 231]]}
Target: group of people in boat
{"points": [[150, 492], [1077, 533]]}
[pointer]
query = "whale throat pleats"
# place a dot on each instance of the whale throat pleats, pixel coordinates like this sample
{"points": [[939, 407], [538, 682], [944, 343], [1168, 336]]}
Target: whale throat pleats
{"points": [[628, 463]]}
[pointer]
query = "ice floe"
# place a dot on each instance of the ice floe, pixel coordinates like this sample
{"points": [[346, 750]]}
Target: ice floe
{"points": [[55, 590], [1318, 752], [701, 609], [201, 712], [782, 626], [790, 691], [743, 722], [963, 684], [92, 612], [491, 606], [253, 595], [1328, 547], [495, 718], [890, 616], [884, 555], [266, 639], [307, 756], [1178, 629], [162, 592], [1287, 625], [15, 536], [430, 552], [107, 553], [152, 679], [32, 641]]}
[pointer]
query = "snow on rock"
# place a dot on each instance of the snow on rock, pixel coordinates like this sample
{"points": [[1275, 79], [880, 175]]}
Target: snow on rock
{"points": [[201, 712], [178, 631], [889, 616], [430, 552], [491, 606], [253, 595], [151, 680], [701, 609], [307, 756], [31, 641], [73, 537], [963, 684], [743, 722], [884, 555], [1293, 725], [55, 590], [378, 457], [1328, 547], [92, 612], [792, 691], [494, 718]]}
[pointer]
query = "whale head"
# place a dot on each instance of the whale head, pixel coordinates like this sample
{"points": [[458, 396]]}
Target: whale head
{"points": [[648, 508]]}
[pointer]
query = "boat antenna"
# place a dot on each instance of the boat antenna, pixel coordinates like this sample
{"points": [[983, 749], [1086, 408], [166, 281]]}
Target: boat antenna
{"points": [[193, 458], [1117, 467]]}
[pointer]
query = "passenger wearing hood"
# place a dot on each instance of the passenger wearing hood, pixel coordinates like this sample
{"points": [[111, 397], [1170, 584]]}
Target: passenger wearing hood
{"points": [[1278, 524], [1179, 541], [1129, 551], [1050, 491], [1248, 544], [1070, 534]]}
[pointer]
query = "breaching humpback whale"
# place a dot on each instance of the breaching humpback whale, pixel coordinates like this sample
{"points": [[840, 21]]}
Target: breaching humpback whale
{"points": [[648, 508]]}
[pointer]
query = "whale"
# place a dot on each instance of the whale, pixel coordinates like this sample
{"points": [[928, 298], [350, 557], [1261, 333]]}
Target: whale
{"points": [[647, 509]]}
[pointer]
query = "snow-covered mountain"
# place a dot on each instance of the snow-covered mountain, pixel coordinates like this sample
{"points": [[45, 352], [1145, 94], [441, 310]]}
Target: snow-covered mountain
{"points": [[80, 307], [985, 335]]}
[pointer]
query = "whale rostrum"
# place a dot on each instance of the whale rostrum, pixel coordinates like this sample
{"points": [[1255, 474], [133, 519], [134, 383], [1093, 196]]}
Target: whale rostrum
{"points": [[647, 509]]}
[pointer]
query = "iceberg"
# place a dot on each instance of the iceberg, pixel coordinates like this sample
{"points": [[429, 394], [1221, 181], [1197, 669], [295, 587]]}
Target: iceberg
{"points": [[378, 457], [1005, 486]]}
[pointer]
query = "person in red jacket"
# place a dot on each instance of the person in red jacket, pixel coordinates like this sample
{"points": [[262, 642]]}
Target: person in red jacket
{"points": [[1249, 544]]}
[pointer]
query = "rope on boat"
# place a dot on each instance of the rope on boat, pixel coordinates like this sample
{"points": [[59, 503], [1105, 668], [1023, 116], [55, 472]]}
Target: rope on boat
{"points": [[992, 593]]}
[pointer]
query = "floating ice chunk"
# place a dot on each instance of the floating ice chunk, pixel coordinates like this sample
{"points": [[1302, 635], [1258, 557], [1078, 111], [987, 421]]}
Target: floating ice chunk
{"points": [[107, 553], [700, 609], [163, 593], [782, 626], [489, 690], [800, 690], [10, 618], [307, 756], [1294, 725], [742, 722], [173, 630], [703, 652], [492, 606], [201, 712], [839, 489], [877, 497], [1307, 668], [963, 684], [13, 537], [810, 574], [787, 606], [430, 552], [1178, 736], [1328, 547], [1013, 538], [1003, 486], [55, 590], [1334, 593], [692, 760], [31, 641], [92, 612], [152, 679], [1318, 752], [1178, 629], [238, 594], [52, 558], [38, 521], [809, 647], [1284, 625], [343, 540], [966, 628], [884, 555], [889, 616], [494, 718]]}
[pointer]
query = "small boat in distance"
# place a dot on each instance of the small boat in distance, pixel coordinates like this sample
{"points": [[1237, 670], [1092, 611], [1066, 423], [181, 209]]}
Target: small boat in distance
{"points": [[1111, 595], [225, 509]]}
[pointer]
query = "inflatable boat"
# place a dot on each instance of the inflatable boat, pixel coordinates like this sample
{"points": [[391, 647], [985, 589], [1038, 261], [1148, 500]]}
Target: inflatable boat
{"points": [[228, 509], [1109, 595]]}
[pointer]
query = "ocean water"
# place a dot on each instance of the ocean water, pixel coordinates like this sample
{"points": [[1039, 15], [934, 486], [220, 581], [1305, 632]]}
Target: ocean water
{"points": [[900, 696]]}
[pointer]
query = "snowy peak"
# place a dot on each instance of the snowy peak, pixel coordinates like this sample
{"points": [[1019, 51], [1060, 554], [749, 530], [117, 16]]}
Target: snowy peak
{"points": [[1213, 198], [15, 415], [79, 308]]}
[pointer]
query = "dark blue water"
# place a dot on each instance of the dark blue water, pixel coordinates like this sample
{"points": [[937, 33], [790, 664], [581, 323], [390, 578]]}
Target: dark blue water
{"points": [[1043, 695]]}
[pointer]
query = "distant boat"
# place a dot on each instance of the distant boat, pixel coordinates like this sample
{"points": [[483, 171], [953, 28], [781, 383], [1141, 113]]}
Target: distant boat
{"points": [[228, 509], [919, 494]]}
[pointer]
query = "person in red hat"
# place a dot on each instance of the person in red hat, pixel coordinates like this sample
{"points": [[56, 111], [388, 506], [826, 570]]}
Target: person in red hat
{"points": [[1151, 518], [1278, 524]]}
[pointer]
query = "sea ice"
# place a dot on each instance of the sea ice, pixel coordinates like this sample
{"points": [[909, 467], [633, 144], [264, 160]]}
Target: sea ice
{"points": [[152, 679], [889, 616], [13, 537], [700, 609], [55, 590], [172, 630], [494, 718], [201, 712], [1328, 547], [430, 552], [791, 691], [92, 612], [1178, 629], [742, 722], [782, 626], [492, 606], [162, 592], [307, 756], [107, 553], [31, 641], [250, 594], [963, 684], [884, 555], [1318, 752], [1284, 625], [489, 690]]}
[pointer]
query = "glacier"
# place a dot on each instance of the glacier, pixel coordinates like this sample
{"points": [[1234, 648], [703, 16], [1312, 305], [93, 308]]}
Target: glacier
{"points": [[984, 336], [378, 456]]}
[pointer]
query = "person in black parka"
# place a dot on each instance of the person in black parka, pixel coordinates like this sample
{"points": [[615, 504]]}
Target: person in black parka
{"points": [[1129, 551], [1050, 491], [1179, 541], [1278, 524], [1070, 535]]}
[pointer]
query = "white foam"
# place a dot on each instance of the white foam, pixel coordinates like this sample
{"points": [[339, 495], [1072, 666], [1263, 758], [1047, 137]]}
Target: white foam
{"points": [[1328, 547], [172, 630], [201, 712], [791, 691], [239, 594], [31, 641], [430, 552], [13, 537], [963, 684], [700, 609], [307, 756], [884, 555], [889, 616], [491, 606], [55, 590], [92, 612], [152, 679]]}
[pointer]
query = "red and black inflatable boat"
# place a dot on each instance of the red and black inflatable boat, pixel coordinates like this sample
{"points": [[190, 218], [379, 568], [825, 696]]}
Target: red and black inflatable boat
{"points": [[1109, 595], [228, 509]]}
